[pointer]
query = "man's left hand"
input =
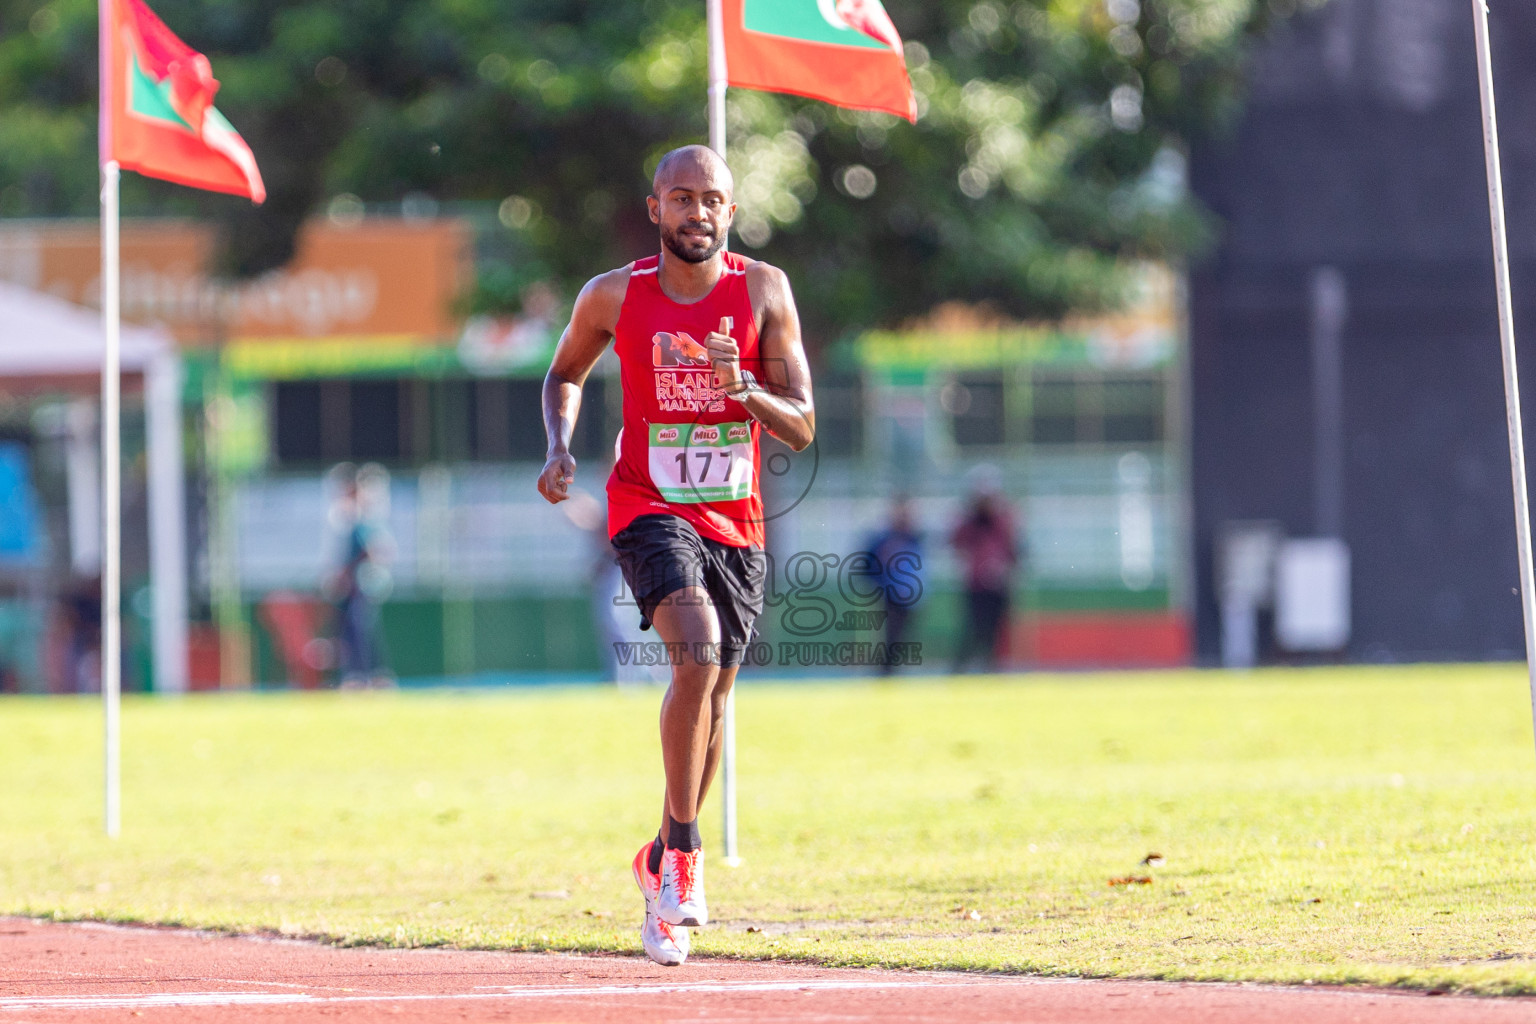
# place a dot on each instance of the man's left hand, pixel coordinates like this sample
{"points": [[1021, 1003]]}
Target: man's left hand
{"points": [[724, 356]]}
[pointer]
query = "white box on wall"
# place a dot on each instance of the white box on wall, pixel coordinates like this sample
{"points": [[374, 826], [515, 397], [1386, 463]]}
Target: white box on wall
{"points": [[1312, 594]]}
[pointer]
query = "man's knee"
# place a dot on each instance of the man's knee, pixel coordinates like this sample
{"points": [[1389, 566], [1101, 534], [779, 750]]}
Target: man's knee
{"points": [[693, 678], [687, 616], [721, 692]]}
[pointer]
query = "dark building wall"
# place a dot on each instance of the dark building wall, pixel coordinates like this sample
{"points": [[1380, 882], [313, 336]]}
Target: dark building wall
{"points": [[1360, 149]]}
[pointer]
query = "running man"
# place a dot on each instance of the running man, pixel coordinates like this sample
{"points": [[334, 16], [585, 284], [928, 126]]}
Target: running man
{"points": [[709, 355]]}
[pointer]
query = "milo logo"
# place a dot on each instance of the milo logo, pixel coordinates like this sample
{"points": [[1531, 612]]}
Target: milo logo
{"points": [[740, 433], [705, 435], [667, 434]]}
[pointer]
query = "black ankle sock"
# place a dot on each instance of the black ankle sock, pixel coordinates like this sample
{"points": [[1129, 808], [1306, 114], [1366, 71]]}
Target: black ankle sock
{"points": [[683, 835], [653, 860]]}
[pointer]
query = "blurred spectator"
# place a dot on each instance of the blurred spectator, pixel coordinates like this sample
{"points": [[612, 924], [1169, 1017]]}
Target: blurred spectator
{"points": [[360, 515], [82, 622], [898, 551], [984, 542]]}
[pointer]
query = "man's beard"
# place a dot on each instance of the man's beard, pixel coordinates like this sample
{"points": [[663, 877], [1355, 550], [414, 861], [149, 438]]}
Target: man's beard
{"points": [[677, 245]]}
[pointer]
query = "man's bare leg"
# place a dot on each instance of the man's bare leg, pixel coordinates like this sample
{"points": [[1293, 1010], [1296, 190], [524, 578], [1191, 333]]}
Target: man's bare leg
{"points": [[688, 714], [723, 684], [717, 698]]}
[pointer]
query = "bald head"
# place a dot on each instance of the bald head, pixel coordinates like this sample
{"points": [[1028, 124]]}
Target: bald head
{"points": [[698, 166], [691, 202]]}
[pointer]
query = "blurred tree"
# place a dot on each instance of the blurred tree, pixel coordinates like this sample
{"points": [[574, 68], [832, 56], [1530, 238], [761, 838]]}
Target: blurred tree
{"points": [[1049, 147]]}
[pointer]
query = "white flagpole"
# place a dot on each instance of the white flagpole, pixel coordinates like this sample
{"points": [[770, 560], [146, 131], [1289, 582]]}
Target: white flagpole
{"points": [[715, 19], [1507, 340], [111, 448], [715, 23], [111, 462]]}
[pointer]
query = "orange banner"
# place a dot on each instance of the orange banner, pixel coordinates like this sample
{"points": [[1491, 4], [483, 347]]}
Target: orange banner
{"points": [[383, 278]]}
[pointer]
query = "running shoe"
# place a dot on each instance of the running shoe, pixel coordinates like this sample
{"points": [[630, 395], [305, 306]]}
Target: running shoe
{"points": [[664, 943], [681, 899]]}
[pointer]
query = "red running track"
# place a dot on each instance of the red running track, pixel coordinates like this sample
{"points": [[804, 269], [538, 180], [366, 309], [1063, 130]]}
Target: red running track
{"points": [[63, 973]]}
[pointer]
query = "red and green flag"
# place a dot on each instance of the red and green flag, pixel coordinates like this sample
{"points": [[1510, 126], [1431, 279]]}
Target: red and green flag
{"points": [[157, 112], [845, 52]]}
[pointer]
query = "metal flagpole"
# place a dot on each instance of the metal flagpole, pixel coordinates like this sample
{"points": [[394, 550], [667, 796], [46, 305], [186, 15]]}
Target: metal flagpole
{"points": [[111, 462], [717, 84], [111, 448], [1507, 340], [717, 76]]}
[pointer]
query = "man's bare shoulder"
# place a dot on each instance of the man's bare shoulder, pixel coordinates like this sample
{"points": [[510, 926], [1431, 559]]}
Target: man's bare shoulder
{"points": [[609, 286], [766, 283], [603, 296], [762, 273]]}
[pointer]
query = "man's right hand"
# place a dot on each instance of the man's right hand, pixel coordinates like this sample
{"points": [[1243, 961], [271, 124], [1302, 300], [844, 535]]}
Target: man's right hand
{"points": [[555, 481]]}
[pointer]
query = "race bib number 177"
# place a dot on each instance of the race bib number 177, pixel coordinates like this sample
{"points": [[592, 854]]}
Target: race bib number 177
{"points": [[693, 463]]}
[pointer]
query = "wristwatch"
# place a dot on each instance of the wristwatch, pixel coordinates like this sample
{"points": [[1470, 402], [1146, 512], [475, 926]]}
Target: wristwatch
{"points": [[748, 383]]}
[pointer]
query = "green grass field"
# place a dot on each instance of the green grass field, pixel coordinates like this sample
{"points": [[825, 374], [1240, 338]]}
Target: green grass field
{"points": [[1360, 825]]}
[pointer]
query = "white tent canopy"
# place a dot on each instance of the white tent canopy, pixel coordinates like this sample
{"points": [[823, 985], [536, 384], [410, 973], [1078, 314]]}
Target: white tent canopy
{"points": [[45, 336], [42, 335]]}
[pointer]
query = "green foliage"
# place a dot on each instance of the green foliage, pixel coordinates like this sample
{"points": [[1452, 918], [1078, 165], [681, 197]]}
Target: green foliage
{"points": [[1049, 147], [1343, 825]]}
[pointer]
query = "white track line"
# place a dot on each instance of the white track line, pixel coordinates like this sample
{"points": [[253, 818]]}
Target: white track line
{"points": [[146, 1001], [84, 1002]]}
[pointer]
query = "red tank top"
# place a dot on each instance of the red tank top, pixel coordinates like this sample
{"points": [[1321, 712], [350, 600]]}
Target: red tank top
{"points": [[686, 449]]}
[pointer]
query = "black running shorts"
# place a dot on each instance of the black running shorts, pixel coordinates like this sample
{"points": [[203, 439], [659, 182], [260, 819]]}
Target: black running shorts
{"points": [[661, 554]]}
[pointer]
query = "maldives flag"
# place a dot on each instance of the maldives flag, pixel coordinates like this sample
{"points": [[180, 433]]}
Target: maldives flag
{"points": [[157, 112], [845, 52]]}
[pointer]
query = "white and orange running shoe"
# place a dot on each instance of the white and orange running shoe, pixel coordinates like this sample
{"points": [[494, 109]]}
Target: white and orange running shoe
{"points": [[681, 899], [664, 943]]}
